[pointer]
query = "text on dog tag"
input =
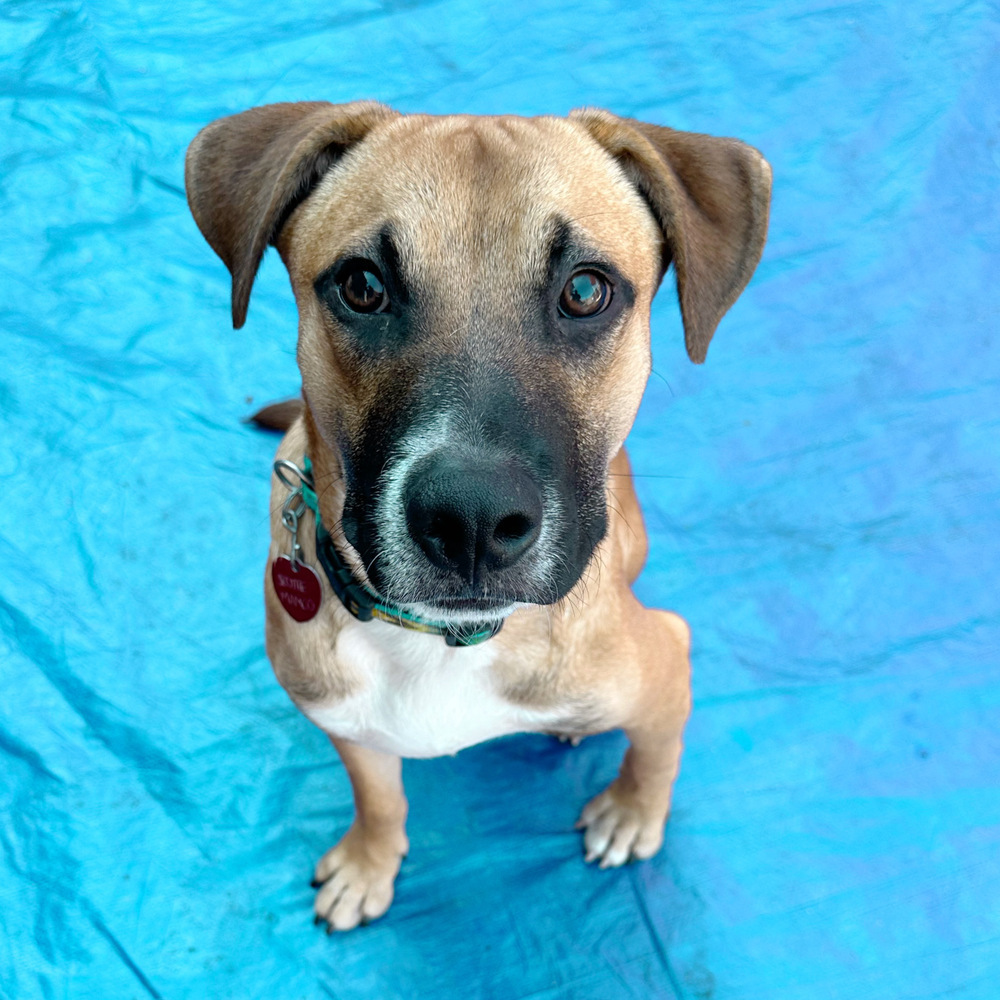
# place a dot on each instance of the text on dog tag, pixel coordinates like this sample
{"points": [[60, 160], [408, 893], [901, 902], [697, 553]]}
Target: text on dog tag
{"points": [[298, 589]]}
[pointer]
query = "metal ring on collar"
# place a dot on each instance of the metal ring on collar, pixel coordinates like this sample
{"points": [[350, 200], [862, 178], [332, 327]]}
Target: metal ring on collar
{"points": [[283, 466]]}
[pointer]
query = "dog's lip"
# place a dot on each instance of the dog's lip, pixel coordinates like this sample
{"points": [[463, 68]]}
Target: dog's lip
{"points": [[484, 604], [463, 611]]}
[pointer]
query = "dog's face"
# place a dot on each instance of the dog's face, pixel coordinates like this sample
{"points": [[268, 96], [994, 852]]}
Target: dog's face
{"points": [[474, 301]]}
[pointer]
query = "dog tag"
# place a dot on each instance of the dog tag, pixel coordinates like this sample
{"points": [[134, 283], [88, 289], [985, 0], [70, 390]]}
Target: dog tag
{"points": [[298, 589]]}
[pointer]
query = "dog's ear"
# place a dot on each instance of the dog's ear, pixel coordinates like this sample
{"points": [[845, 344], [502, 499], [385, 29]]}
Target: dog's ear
{"points": [[245, 174], [711, 198]]}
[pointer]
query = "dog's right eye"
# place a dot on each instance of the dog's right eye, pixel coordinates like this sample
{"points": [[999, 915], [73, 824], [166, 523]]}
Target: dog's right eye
{"points": [[587, 293], [362, 288]]}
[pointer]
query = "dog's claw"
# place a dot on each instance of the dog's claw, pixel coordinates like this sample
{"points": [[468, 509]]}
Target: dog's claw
{"points": [[573, 741], [355, 880], [616, 831]]}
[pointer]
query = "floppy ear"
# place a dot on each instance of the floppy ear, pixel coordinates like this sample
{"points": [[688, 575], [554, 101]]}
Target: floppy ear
{"points": [[711, 198], [245, 175]]}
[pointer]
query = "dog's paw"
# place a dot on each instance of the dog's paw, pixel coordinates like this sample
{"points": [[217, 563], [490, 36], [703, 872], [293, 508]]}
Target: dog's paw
{"points": [[616, 830], [355, 879]]}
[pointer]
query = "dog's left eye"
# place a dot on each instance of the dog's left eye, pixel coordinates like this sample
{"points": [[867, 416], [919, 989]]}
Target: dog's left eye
{"points": [[587, 293], [362, 287]]}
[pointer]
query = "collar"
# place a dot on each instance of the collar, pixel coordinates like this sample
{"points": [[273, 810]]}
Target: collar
{"points": [[363, 604]]}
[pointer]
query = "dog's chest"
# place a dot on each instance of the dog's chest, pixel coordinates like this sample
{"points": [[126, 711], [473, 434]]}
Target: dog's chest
{"points": [[420, 697]]}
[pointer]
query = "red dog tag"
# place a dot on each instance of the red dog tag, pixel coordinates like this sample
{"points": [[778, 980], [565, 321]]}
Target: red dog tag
{"points": [[297, 589]]}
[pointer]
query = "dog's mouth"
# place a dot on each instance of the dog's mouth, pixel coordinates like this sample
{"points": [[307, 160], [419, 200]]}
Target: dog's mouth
{"points": [[464, 610]]}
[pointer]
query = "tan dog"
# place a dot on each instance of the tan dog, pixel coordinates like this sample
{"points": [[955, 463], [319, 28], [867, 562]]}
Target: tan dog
{"points": [[474, 299]]}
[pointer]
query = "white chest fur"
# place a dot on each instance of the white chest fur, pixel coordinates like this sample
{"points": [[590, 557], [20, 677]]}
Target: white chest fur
{"points": [[419, 697]]}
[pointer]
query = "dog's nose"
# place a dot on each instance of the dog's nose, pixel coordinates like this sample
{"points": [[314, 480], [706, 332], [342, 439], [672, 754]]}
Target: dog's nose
{"points": [[472, 516]]}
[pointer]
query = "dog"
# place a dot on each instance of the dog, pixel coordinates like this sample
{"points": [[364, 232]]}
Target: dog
{"points": [[473, 298]]}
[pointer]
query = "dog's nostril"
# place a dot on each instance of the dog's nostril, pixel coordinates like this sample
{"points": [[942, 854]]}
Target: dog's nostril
{"points": [[512, 528], [439, 527], [448, 533]]}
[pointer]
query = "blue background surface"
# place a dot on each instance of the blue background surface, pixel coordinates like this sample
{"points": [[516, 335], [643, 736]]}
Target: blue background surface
{"points": [[822, 497]]}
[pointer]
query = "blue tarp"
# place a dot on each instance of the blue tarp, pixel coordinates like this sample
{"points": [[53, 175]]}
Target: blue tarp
{"points": [[823, 498]]}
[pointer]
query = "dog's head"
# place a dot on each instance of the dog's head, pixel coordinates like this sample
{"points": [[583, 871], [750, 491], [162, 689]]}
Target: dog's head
{"points": [[474, 300]]}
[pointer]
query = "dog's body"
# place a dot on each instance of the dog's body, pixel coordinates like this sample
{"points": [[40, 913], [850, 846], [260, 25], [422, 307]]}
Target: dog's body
{"points": [[474, 298], [551, 669]]}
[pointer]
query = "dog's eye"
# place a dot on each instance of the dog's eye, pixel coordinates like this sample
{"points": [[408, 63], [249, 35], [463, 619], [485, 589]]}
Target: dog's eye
{"points": [[585, 294], [362, 288]]}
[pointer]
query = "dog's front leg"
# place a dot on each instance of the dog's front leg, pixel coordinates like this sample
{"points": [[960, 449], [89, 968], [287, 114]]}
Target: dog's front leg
{"points": [[356, 877], [626, 820]]}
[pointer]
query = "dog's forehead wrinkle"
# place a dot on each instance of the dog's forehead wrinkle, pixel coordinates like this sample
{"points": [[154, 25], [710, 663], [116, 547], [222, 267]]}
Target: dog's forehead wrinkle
{"points": [[472, 201], [449, 163]]}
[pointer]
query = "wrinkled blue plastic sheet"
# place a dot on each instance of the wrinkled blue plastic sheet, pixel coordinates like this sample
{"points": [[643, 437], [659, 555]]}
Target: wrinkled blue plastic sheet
{"points": [[822, 497]]}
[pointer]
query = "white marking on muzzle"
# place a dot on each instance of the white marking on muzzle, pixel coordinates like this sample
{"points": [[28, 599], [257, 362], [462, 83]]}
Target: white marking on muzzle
{"points": [[395, 544]]}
